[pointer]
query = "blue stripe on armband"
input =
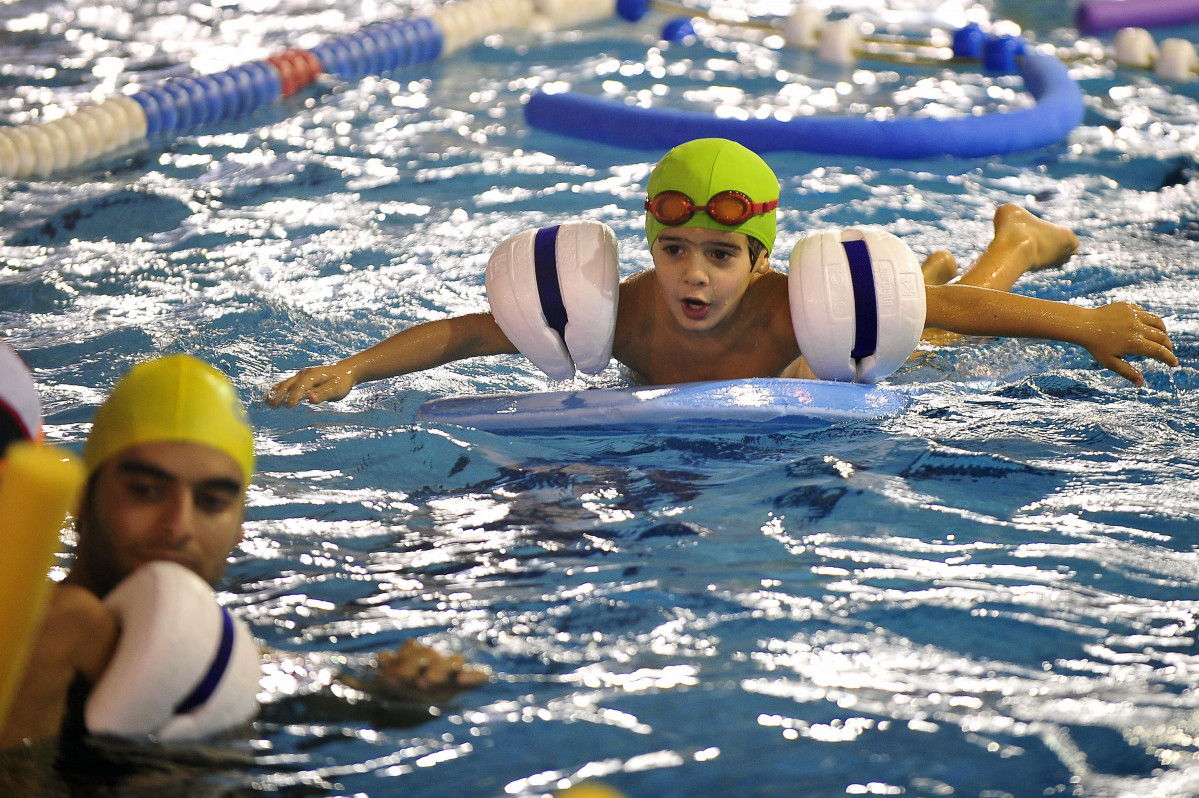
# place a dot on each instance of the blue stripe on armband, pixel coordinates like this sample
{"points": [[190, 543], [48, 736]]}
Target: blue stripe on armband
{"points": [[865, 302], [545, 267], [216, 671]]}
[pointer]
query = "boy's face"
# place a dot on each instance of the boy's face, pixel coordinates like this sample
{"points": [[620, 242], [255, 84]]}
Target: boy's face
{"points": [[703, 274], [182, 502]]}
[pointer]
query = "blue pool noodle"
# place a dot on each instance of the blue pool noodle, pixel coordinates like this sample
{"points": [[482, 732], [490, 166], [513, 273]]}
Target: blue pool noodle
{"points": [[1059, 109]]}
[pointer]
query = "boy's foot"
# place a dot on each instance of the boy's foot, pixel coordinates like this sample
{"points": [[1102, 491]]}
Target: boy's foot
{"points": [[939, 268], [1023, 242], [1051, 244]]}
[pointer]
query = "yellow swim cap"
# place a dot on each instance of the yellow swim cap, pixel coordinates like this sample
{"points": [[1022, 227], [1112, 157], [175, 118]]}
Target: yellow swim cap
{"points": [[702, 168], [172, 398]]}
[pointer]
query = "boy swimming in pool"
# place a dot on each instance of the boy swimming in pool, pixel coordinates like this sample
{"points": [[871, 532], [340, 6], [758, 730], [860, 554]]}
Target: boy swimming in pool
{"points": [[713, 308]]}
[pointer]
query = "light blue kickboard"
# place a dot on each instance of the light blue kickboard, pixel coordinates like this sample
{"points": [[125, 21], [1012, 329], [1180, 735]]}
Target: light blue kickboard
{"points": [[779, 402]]}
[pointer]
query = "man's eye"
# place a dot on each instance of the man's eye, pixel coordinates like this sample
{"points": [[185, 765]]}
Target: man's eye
{"points": [[141, 490], [213, 502]]}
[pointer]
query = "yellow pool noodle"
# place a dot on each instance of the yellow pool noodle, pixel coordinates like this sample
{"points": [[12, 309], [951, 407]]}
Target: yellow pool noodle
{"points": [[38, 486]]}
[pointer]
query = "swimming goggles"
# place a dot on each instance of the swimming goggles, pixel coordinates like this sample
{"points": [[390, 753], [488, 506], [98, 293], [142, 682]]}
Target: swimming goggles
{"points": [[726, 207]]}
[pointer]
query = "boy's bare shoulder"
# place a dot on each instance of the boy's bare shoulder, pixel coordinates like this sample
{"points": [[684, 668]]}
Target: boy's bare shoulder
{"points": [[769, 294], [637, 285], [635, 308], [772, 283]]}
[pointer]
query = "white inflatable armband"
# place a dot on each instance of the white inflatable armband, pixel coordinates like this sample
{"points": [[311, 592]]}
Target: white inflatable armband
{"points": [[184, 667], [554, 291], [857, 303]]}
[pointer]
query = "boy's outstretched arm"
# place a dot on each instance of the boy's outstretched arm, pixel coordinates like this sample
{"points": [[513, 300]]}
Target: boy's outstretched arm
{"points": [[417, 348], [1110, 332]]}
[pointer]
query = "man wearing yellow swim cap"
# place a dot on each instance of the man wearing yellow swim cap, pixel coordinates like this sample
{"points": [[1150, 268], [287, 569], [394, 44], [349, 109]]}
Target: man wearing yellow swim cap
{"points": [[168, 460]]}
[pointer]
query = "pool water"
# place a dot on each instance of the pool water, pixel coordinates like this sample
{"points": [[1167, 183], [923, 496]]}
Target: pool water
{"points": [[992, 594]]}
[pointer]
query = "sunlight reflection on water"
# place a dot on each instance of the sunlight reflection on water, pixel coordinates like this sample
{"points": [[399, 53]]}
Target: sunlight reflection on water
{"points": [[990, 594]]}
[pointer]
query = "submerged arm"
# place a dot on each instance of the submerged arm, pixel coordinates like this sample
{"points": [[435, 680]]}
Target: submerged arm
{"points": [[416, 348], [1110, 332], [418, 671]]}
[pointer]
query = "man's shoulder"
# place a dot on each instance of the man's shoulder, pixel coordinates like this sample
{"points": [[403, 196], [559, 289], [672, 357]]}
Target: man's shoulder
{"points": [[70, 601]]}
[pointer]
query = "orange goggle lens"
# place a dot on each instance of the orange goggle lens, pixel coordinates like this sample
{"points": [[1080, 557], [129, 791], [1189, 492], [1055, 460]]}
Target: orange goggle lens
{"points": [[727, 207]]}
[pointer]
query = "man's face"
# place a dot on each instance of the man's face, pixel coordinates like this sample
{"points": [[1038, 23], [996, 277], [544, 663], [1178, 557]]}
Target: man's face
{"points": [[182, 502]]}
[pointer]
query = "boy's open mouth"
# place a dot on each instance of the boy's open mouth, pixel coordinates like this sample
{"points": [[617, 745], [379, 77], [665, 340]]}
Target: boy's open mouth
{"points": [[695, 308]]}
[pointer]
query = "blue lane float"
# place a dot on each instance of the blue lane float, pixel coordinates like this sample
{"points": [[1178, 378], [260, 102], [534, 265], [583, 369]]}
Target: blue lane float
{"points": [[1059, 109], [178, 105], [182, 103], [381, 47]]}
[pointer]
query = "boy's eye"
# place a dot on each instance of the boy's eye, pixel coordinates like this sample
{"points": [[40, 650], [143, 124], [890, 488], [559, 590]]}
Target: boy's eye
{"points": [[722, 256]]}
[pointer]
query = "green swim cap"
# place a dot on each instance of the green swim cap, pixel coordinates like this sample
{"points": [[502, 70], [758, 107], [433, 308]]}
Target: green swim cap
{"points": [[172, 398], [703, 167]]}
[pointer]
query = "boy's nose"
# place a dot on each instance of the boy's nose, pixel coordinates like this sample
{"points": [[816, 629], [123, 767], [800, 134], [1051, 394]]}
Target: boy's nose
{"points": [[695, 273]]}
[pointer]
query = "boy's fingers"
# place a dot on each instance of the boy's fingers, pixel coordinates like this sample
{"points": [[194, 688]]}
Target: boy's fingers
{"points": [[295, 393], [1156, 346], [1160, 336], [470, 677], [278, 392], [311, 384], [1163, 353], [330, 388], [1152, 319], [1125, 370]]}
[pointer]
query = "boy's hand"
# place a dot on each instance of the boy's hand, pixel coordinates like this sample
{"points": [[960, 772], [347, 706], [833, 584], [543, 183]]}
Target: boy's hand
{"points": [[314, 384], [1119, 330]]}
